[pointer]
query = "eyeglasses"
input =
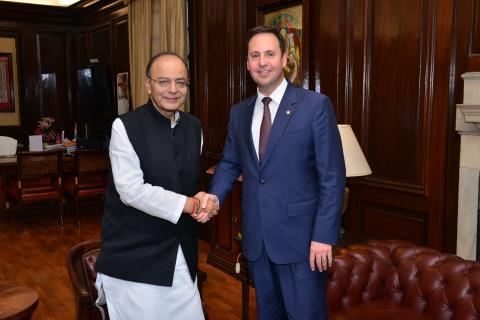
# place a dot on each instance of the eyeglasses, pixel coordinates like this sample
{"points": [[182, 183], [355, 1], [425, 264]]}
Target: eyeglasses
{"points": [[165, 82]]}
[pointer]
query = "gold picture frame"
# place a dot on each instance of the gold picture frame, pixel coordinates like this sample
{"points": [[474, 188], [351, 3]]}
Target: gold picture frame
{"points": [[289, 22], [7, 97]]}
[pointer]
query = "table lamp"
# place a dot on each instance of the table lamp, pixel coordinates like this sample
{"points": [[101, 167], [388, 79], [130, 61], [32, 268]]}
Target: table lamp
{"points": [[356, 164]]}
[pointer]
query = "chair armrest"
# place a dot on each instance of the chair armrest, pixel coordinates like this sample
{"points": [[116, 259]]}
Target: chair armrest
{"points": [[78, 285]]}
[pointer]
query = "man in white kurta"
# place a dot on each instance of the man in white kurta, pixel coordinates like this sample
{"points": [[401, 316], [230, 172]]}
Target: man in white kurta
{"points": [[166, 84]]}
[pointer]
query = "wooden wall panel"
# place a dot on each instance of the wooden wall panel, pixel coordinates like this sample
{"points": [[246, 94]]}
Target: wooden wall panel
{"points": [[52, 92], [387, 223], [475, 47], [329, 23], [386, 68], [474, 31], [100, 43], [120, 45], [81, 54], [393, 90], [217, 60], [224, 62]]}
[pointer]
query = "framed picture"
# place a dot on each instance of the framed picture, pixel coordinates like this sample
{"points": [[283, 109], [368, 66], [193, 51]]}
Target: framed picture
{"points": [[289, 23], [123, 95], [7, 103]]}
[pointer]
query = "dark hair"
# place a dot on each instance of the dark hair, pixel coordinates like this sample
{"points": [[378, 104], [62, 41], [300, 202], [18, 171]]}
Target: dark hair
{"points": [[263, 29], [148, 74]]}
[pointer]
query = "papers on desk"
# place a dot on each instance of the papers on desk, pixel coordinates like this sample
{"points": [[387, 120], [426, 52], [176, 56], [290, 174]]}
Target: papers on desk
{"points": [[8, 146], [35, 143], [49, 147]]}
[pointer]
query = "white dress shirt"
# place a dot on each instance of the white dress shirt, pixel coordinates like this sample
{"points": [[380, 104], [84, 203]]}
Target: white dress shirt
{"points": [[276, 97]]}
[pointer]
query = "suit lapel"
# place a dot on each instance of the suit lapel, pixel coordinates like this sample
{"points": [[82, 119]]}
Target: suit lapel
{"points": [[285, 112], [248, 116]]}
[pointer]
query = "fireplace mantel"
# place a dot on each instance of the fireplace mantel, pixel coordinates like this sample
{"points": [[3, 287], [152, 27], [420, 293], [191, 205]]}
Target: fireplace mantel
{"points": [[468, 126], [471, 115]]}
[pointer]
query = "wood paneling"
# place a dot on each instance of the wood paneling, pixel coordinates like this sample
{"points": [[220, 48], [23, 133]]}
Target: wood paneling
{"points": [[392, 26], [52, 91], [475, 47], [328, 22], [120, 45], [100, 44], [392, 69], [390, 76], [217, 62], [387, 223], [81, 54]]}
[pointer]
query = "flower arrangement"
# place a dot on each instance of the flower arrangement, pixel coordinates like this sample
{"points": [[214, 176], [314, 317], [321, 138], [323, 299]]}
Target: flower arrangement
{"points": [[45, 128]]}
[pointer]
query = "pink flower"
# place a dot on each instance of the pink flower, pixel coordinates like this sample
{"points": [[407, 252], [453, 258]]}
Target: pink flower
{"points": [[44, 127]]}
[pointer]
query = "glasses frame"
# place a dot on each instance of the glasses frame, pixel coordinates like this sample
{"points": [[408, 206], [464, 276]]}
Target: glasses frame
{"points": [[157, 81]]}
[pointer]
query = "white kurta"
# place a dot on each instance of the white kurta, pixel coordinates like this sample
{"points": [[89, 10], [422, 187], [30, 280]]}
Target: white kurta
{"points": [[133, 300]]}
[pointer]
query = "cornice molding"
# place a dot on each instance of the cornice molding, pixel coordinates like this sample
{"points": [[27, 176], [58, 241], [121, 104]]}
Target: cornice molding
{"points": [[468, 113]]}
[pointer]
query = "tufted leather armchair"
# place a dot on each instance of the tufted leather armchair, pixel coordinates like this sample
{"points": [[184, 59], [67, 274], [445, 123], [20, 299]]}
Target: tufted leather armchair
{"points": [[395, 279], [81, 269]]}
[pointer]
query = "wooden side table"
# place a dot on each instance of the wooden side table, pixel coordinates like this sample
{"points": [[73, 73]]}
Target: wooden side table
{"points": [[17, 302]]}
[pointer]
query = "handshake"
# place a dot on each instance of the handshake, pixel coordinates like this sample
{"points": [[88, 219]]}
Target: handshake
{"points": [[202, 207]]}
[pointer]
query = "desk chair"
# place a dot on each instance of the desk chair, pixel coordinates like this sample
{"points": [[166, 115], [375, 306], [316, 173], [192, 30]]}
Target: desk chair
{"points": [[38, 179], [89, 177]]}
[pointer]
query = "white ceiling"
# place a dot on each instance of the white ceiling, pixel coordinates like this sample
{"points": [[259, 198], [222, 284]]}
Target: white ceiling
{"points": [[57, 3]]}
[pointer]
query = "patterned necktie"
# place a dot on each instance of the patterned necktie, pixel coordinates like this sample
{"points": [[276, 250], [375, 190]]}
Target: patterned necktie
{"points": [[264, 128]]}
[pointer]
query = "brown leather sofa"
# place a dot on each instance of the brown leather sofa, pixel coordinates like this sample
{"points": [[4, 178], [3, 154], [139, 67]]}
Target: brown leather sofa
{"points": [[81, 269], [394, 279]]}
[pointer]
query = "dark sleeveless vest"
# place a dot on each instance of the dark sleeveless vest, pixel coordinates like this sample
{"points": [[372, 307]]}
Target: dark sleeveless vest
{"points": [[137, 246]]}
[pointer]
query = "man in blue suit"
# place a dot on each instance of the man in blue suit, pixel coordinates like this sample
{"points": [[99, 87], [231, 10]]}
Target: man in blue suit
{"points": [[285, 142]]}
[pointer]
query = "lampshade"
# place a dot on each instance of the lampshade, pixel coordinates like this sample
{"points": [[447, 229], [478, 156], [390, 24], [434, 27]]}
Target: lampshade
{"points": [[355, 161]]}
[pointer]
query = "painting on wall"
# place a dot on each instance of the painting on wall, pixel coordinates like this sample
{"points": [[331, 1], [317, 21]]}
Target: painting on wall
{"points": [[123, 96], [7, 103], [288, 21]]}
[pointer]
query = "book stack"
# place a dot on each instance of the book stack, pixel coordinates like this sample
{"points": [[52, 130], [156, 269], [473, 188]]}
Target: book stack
{"points": [[70, 146], [50, 147]]}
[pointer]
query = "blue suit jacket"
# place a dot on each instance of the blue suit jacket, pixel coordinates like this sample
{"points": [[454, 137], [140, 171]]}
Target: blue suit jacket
{"points": [[295, 195]]}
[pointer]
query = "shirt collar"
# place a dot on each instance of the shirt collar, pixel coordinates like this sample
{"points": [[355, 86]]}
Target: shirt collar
{"points": [[176, 119], [161, 118], [277, 94]]}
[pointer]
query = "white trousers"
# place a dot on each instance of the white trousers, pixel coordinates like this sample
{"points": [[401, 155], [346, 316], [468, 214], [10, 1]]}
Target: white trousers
{"points": [[128, 300]]}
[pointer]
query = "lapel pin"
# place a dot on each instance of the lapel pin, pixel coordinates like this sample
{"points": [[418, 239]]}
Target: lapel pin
{"points": [[288, 112]]}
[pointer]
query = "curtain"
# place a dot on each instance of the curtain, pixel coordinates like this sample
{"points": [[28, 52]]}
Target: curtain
{"points": [[169, 30], [169, 26], [139, 39], [154, 26]]}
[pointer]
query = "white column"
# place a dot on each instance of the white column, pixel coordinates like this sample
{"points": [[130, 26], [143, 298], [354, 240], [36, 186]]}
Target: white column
{"points": [[468, 126]]}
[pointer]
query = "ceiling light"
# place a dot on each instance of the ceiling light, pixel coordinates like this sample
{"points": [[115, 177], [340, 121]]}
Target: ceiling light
{"points": [[57, 3]]}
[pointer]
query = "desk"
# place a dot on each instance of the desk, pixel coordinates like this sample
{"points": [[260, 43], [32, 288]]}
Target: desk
{"points": [[8, 167], [17, 302]]}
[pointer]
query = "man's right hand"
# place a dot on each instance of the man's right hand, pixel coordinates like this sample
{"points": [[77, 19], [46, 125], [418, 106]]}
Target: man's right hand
{"points": [[209, 206]]}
